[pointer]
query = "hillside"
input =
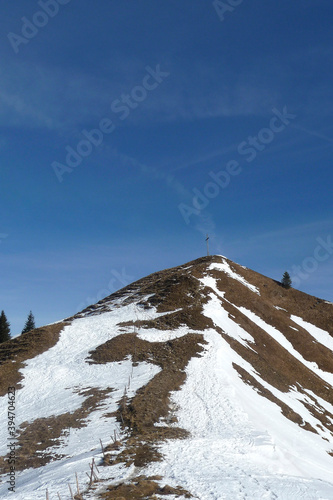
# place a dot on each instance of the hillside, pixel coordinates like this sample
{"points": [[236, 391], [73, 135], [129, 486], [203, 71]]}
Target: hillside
{"points": [[205, 381]]}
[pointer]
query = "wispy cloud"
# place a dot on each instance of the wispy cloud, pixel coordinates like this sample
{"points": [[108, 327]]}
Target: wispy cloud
{"points": [[300, 232], [37, 96], [204, 92], [33, 96], [40, 96]]}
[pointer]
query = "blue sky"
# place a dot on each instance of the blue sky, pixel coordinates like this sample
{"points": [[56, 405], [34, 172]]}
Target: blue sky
{"points": [[129, 130]]}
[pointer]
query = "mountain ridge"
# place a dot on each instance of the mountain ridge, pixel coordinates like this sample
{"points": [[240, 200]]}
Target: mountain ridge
{"points": [[276, 344]]}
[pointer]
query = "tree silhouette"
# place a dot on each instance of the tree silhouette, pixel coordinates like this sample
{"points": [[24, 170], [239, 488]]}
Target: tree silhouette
{"points": [[4, 328], [286, 280], [29, 324]]}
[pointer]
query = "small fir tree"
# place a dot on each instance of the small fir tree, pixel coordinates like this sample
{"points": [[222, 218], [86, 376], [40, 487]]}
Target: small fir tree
{"points": [[29, 324], [4, 328], [286, 280]]}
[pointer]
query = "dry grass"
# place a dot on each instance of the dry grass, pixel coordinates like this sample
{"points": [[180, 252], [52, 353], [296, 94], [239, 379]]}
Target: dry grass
{"points": [[142, 487], [272, 362], [151, 403], [179, 288], [170, 289], [311, 309]]}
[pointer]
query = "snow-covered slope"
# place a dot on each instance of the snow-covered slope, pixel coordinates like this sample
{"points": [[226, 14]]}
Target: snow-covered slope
{"points": [[207, 380]]}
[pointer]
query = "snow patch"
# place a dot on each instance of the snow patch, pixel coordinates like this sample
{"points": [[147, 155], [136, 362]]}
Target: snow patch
{"points": [[225, 268], [320, 335], [281, 339]]}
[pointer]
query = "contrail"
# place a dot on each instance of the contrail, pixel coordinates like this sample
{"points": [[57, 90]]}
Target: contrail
{"points": [[316, 134]]}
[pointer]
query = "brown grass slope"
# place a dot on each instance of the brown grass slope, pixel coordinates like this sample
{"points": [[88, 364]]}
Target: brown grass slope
{"points": [[274, 364], [178, 292], [177, 287], [170, 289]]}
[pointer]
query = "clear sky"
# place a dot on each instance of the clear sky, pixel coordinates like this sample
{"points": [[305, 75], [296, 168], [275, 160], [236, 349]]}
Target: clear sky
{"points": [[129, 130]]}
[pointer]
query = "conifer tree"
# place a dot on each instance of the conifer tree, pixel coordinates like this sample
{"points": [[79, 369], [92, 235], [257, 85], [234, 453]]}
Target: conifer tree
{"points": [[286, 280], [29, 324], [4, 328]]}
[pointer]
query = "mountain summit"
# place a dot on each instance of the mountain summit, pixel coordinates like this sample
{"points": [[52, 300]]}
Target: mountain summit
{"points": [[206, 381]]}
